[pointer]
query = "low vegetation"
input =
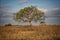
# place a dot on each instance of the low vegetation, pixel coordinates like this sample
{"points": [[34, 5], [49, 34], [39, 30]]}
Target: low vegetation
{"points": [[43, 32]]}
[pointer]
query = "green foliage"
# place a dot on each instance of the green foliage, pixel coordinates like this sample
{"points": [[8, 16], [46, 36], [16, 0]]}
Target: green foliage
{"points": [[29, 14]]}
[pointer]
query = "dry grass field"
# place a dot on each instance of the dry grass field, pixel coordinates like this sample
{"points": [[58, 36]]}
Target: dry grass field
{"points": [[43, 32]]}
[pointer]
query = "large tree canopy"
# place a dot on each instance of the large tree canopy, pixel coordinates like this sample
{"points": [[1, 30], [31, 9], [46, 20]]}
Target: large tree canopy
{"points": [[29, 14]]}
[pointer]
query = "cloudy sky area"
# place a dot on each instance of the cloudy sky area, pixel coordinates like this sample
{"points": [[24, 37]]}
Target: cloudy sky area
{"points": [[9, 7]]}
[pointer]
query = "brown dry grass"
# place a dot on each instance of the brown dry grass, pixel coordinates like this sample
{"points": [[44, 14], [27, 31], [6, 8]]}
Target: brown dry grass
{"points": [[43, 32]]}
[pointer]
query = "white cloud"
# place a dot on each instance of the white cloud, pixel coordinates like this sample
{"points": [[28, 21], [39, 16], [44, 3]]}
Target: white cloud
{"points": [[23, 1], [44, 10], [54, 11], [53, 16]]}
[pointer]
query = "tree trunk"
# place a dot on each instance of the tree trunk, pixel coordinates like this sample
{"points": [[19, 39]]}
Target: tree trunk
{"points": [[30, 23]]}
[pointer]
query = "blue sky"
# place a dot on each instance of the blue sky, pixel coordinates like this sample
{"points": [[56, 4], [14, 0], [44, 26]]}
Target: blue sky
{"points": [[14, 5], [8, 7]]}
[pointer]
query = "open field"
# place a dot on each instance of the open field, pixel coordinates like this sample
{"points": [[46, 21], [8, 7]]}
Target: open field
{"points": [[43, 32]]}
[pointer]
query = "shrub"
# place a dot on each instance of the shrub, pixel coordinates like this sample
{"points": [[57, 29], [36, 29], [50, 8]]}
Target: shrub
{"points": [[8, 25]]}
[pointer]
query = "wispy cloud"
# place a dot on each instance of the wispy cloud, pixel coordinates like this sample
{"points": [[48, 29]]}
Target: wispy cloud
{"points": [[4, 7], [23, 1], [5, 10], [42, 9], [53, 16], [54, 11]]}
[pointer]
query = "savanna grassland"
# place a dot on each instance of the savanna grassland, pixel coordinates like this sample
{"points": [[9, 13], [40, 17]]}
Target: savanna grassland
{"points": [[42, 32]]}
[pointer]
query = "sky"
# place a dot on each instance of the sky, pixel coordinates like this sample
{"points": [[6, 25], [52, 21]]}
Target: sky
{"points": [[9, 7]]}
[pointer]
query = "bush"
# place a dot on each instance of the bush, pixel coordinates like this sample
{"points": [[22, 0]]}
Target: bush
{"points": [[8, 25]]}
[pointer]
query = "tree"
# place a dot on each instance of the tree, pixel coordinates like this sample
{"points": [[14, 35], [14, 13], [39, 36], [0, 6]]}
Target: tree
{"points": [[29, 14]]}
